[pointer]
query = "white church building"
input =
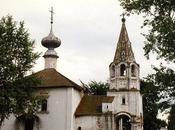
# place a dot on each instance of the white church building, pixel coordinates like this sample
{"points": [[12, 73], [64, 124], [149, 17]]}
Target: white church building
{"points": [[67, 106]]}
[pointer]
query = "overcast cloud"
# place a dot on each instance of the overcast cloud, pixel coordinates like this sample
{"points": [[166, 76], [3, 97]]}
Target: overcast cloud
{"points": [[88, 30]]}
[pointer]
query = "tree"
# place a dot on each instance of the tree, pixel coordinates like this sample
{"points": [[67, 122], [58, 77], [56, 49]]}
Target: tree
{"points": [[165, 79], [17, 57], [151, 106], [159, 17], [97, 88]]}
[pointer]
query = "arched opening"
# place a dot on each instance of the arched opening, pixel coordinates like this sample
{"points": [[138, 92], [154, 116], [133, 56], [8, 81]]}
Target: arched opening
{"points": [[79, 128], [113, 71], [122, 70], [27, 122], [123, 122], [133, 70]]}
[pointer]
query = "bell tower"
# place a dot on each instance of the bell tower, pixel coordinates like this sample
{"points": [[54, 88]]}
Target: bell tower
{"points": [[124, 71], [125, 85]]}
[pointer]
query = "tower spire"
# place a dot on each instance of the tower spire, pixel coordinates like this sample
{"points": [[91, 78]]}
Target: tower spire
{"points": [[124, 51]]}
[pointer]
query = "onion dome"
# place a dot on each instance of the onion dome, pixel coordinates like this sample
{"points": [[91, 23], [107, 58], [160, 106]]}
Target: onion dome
{"points": [[51, 41]]}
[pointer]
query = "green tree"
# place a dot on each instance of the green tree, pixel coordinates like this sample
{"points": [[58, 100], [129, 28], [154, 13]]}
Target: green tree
{"points": [[151, 105], [165, 79], [97, 88], [160, 19], [17, 57]]}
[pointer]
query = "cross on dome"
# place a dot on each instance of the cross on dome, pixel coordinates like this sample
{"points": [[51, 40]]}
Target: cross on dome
{"points": [[51, 12]]}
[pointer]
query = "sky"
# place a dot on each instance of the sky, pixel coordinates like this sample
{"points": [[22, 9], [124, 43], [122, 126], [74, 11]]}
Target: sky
{"points": [[89, 31]]}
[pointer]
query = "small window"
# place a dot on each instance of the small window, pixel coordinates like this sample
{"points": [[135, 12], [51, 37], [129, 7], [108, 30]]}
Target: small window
{"points": [[113, 71], [122, 70], [79, 128], [133, 71], [44, 105], [123, 100]]}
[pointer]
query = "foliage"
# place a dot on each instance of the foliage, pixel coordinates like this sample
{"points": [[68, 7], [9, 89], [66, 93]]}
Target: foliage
{"points": [[164, 78], [160, 95], [151, 105], [159, 17], [171, 119], [17, 57], [97, 88]]}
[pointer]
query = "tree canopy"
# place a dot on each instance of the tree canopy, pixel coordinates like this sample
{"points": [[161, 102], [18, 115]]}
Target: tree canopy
{"points": [[17, 57], [151, 106], [97, 88], [159, 17]]}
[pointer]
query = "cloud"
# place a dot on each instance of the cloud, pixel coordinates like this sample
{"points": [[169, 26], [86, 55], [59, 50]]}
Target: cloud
{"points": [[89, 32]]}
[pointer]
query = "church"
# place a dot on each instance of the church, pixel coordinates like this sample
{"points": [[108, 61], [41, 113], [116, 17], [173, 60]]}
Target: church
{"points": [[68, 106]]}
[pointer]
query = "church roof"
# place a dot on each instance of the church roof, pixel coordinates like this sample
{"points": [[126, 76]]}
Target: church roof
{"points": [[92, 104], [50, 78], [124, 51]]}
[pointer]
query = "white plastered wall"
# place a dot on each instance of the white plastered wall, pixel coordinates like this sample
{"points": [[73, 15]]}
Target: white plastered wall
{"points": [[62, 103]]}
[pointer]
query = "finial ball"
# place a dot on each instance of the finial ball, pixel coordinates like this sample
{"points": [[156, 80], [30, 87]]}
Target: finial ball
{"points": [[123, 20]]}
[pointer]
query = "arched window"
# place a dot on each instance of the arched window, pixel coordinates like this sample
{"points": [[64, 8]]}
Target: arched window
{"points": [[113, 71], [122, 70], [79, 128], [133, 71], [44, 105]]}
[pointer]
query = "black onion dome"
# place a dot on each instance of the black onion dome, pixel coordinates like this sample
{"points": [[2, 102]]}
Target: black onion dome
{"points": [[51, 41]]}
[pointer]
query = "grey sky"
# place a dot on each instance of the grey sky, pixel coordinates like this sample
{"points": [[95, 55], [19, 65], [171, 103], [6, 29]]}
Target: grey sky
{"points": [[89, 32]]}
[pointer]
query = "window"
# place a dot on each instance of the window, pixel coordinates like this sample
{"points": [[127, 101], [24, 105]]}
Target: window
{"points": [[123, 100], [122, 70], [113, 71], [44, 105], [133, 71], [79, 128]]}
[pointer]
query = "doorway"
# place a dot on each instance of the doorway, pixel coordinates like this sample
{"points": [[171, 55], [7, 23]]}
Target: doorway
{"points": [[123, 122]]}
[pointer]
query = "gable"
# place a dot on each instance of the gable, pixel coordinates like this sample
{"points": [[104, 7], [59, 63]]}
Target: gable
{"points": [[51, 78]]}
